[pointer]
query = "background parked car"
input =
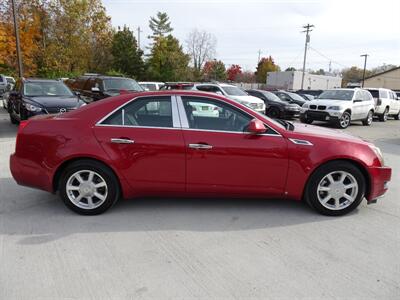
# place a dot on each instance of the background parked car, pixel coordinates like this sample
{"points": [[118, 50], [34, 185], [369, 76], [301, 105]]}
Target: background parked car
{"points": [[275, 107], [234, 93], [290, 97], [386, 103], [31, 97], [177, 86], [340, 107], [95, 87], [151, 85], [3, 85]]}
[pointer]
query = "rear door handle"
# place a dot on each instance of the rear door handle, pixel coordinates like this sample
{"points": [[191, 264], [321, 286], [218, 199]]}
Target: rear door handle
{"points": [[122, 141], [200, 146]]}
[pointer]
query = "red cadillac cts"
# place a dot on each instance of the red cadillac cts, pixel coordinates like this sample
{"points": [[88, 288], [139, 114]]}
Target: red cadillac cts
{"points": [[191, 144]]}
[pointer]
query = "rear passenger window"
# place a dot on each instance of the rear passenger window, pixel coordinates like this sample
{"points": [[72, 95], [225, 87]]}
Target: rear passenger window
{"points": [[146, 112], [383, 94]]}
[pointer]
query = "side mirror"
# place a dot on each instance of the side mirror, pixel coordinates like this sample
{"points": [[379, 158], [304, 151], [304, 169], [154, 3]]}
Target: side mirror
{"points": [[256, 127], [357, 100], [219, 93], [95, 89]]}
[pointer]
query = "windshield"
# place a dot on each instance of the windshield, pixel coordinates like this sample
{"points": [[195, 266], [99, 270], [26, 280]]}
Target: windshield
{"points": [[233, 91], [121, 84], [273, 97], [296, 97], [149, 86], [34, 89], [337, 95]]}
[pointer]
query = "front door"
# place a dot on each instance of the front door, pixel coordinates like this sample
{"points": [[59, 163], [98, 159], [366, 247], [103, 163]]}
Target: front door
{"points": [[144, 140], [222, 158]]}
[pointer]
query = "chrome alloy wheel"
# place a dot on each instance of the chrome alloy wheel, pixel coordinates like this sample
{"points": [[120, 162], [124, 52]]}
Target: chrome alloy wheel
{"points": [[370, 117], [345, 120], [86, 189], [337, 190]]}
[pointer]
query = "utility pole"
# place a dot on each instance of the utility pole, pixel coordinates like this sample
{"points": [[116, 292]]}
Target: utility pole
{"points": [[16, 29], [259, 56], [365, 67], [138, 34], [308, 29]]}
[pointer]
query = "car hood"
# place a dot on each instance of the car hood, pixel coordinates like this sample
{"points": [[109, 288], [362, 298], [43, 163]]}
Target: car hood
{"points": [[329, 102], [304, 130], [66, 102], [249, 99]]}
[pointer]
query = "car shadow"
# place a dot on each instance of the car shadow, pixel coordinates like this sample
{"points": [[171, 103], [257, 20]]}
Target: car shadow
{"points": [[39, 217]]}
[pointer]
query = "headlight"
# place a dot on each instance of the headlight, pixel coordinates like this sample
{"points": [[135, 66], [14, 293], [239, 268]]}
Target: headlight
{"points": [[245, 103], [378, 153], [305, 105], [31, 107], [334, 107]]}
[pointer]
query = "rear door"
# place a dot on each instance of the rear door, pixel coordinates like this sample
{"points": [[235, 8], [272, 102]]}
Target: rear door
{"points": [[145, 142], [222, 158]]}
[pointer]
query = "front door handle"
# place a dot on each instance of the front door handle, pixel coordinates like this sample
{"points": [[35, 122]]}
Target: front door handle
{"points": [[122, 141], [200, 146]]}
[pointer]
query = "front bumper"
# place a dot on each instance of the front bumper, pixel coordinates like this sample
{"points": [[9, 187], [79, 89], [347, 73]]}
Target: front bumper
{"points": [[379, 179], [317, 115], [287, 113]]}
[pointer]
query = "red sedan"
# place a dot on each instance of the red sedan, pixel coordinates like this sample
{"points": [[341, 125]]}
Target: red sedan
{"points": [[183, 143]]}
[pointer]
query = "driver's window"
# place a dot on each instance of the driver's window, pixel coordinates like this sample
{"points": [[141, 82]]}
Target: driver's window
{"points": [[145, 112], [209, 114]]}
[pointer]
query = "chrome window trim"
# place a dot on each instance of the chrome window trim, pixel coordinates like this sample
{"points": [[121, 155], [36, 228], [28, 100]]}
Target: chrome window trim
{"points": [[175, 114], [185, 123]]}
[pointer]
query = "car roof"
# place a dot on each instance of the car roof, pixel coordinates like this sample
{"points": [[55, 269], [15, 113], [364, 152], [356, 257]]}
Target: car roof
{"points": [[151, 82], [41, 80]]}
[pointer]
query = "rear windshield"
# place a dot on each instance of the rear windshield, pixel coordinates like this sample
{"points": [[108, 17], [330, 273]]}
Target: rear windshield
{"points": [[117, 84]]}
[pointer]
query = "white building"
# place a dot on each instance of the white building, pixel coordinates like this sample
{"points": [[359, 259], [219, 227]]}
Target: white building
{"points": [[291, 80]]}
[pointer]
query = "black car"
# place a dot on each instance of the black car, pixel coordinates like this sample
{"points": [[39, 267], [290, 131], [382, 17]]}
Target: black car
{"points": [[274, 106], [93, 87], [290, 97], [31, 97]]}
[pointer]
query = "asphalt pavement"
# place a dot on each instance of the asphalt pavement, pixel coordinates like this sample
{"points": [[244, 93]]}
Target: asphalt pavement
{"points": [[199, 248]]}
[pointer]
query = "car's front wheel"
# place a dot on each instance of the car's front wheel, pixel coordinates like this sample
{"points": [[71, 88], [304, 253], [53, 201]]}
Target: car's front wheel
{"points": [[335, 188], [344, 120], [305, 120], [88, 187], [273, 112]]}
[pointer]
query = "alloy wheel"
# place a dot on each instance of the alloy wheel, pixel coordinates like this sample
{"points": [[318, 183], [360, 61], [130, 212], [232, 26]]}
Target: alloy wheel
{"points": [[345, 120], [370, 117], [337, 190], [86, 189]]}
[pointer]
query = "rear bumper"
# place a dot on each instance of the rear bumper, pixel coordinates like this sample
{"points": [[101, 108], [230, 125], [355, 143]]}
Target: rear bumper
{"points": [[380, 178], [26, 173]]}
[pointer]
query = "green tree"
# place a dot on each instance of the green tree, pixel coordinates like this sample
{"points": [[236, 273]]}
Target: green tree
{"points": [[290, 69], [353, 74], [160, 25], [318, 72], [167, 61], [127, 57], [265, 65], [214, 70]]}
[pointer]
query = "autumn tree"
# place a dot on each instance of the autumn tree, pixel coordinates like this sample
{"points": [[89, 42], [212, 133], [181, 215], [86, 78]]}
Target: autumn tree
{"points": [[167, 61], [233, 72], [127, 57], [160, 25], [353, 74], [214, 70], [200, 45], [265, 65]]}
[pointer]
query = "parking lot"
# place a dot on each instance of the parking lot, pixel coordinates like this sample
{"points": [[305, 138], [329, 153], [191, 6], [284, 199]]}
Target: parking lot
{"points": [[213, 248]]}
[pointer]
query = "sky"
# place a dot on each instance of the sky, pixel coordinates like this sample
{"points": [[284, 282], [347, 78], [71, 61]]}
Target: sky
{"points": [[343, 29]]}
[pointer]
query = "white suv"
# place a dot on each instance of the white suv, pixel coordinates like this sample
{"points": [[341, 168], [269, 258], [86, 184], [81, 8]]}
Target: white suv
{"points": [[340, 107], [386, 103], [233, 92]]}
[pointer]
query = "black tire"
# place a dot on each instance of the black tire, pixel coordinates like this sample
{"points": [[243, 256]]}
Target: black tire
{"points": [[273, 112], [112, 187], [312, 195], [344, 121], [397, 117], [368, 120], [306, 120], [383, 117]]}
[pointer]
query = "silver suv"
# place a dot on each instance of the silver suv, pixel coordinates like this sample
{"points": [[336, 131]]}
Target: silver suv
{"points": [[340, 107]]}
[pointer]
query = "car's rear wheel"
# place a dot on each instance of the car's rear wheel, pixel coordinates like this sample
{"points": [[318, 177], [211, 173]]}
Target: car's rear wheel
{"points": [[335, 188], [88, 187], [273, 112], [368, 120], [344, 120], [383, 117], [397, 117], [306, 120]]}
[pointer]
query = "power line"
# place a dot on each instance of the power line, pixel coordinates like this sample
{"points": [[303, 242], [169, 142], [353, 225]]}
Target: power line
{"points": [[328, 58]]}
